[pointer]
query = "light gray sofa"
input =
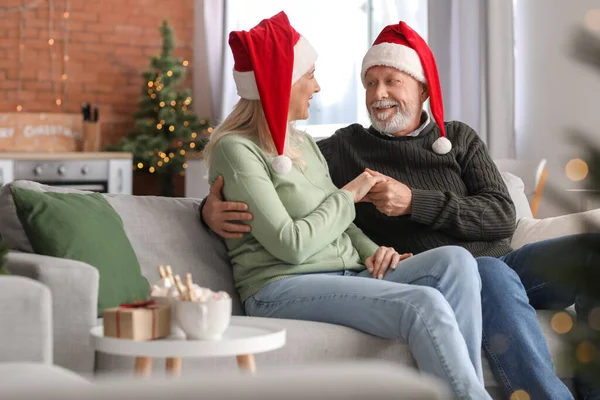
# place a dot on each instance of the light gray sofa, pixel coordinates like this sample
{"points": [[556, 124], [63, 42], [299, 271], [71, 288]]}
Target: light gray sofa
{"points": [[26, 358], [168, 231]]}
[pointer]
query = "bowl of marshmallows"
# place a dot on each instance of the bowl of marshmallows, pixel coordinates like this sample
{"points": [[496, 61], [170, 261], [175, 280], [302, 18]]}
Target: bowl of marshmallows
{"points": [[197, 313]]}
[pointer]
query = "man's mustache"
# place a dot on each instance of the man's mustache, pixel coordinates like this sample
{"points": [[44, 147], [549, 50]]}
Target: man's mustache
{"points": [[384, 103]]}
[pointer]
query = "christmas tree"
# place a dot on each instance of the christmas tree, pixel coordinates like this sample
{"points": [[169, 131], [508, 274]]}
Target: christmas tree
{"points": [[165, 127], [584, 332]]}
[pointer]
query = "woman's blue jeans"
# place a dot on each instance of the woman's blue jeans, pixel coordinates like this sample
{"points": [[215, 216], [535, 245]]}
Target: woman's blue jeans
{"points": [[432, 301]]}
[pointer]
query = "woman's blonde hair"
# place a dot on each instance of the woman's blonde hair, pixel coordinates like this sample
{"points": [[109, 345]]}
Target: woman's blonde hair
{"points": [[248, 118]]}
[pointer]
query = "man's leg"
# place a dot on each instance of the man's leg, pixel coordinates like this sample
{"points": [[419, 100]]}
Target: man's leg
{"points": [[512, 337], [551, 272], [419, 316]]}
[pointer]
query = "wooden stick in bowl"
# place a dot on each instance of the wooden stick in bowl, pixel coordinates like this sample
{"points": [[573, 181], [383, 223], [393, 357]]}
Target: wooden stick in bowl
{"points": [[180, 288], [190, 287], [170, 274]]}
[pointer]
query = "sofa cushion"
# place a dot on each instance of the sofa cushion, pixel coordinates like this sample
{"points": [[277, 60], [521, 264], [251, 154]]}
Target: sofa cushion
{"points": [[20, 375], [168, 231], [83, 227], [531, 230]]}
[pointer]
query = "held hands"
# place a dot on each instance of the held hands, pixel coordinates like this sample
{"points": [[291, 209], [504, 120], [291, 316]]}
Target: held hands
{"points": [[361, 185], [221, 216], [389, 196], [384, 258]]}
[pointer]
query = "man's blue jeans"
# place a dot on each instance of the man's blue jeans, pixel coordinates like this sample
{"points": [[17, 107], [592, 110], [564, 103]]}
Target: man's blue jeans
{"points": [[432, 301], [513, 286]]}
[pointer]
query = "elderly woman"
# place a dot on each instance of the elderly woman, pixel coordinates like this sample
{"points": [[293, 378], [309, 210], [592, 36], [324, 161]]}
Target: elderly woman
{"points": [[304, 258]]}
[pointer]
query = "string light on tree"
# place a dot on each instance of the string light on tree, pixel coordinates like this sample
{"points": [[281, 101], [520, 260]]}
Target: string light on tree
{"points": [[166, 129], [65, 45]]}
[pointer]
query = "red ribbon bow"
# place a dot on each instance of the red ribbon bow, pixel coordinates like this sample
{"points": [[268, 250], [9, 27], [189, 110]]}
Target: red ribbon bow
{"points": [[138, 304]]}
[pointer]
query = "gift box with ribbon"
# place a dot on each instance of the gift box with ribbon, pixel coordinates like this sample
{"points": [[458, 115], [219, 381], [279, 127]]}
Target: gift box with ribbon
{"points": [[138, 321]]}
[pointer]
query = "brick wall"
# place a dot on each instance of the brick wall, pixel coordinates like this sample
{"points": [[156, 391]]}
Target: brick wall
{"points": [[110, 43]]}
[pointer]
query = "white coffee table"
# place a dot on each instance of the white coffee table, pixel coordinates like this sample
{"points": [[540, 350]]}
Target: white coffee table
{"points": [[243, 338]]}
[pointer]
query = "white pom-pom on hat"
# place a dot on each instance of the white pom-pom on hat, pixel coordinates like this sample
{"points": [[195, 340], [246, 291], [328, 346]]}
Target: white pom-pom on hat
{"points": [[282, 164], [442, 145]]}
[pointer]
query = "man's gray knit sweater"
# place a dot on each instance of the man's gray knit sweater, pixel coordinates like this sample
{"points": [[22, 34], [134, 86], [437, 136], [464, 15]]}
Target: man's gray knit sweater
{"points": [[458, 198]]}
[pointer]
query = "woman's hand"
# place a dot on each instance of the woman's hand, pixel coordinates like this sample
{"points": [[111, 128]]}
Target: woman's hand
{"points": [[384, 258], [360, 186]]}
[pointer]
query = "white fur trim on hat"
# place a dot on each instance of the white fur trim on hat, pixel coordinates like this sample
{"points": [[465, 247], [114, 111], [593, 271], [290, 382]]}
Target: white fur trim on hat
{"points": [[304, 57], [442, 145], [396, 56], [282, 164], [246, 85]]}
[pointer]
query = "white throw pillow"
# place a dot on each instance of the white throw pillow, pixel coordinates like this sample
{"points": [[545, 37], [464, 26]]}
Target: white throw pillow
{"points": [[516, 189], [531, 230]]}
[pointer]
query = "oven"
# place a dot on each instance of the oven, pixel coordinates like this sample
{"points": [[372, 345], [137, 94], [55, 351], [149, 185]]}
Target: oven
{"points": [[94, 174], [90, 175]]}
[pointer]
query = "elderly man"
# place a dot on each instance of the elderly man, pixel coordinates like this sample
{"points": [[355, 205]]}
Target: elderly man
{"points": [[442, 188]]}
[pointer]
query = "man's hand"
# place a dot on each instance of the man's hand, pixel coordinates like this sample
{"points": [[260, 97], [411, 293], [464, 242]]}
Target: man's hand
{"points": [[384, 258], [390, 197], [360, 186], [221, 216]]}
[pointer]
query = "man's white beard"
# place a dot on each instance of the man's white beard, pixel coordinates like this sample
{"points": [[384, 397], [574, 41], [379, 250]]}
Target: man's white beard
{"points": [[399, 121]]}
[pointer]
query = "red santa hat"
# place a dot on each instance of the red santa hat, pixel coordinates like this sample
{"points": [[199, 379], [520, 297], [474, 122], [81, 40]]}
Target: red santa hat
{"points": [[400, 47], [268, 60]]}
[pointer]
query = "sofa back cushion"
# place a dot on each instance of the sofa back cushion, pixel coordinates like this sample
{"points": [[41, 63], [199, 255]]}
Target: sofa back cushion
{"points": [[168, 231]]}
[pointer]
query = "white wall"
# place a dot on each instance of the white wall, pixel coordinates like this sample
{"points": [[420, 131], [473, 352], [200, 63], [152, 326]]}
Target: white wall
{"points": [[553, 91]]}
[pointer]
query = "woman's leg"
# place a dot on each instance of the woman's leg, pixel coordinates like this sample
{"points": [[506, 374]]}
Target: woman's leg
{"points": [[419, 316], [451, 270]]}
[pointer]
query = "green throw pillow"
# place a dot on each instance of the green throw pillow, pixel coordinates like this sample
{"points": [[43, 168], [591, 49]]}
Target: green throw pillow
{"points": [[86, 228], [3, 268]]}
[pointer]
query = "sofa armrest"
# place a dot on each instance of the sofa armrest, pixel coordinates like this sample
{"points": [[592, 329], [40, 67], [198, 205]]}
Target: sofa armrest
{"points": [[74, 288], [26, 315]]}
